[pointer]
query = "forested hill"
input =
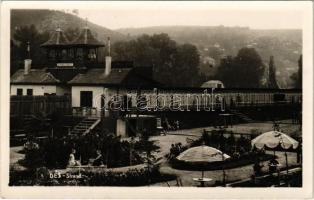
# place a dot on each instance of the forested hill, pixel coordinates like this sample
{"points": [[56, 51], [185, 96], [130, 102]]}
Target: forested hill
{"points": [[49, 20], [207, 35], [284, 44]]}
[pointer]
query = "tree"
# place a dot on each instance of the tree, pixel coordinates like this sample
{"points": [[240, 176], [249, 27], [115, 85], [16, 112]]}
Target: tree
{"points": [[272, 83], [39, 122], [243, 71], [29, 34], [297, 76], [14, 57], [185, 60], [173, 64], [75, 11]]}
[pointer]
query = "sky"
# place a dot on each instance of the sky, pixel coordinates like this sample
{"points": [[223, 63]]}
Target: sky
{"points": [[265, 16]]}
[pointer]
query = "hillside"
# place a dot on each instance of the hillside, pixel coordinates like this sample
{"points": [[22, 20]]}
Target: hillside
{"points": [[49, 20], [214, 42]]}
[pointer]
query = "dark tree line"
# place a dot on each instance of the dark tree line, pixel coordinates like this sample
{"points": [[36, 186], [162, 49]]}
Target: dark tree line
{"points": [[174, 64]]}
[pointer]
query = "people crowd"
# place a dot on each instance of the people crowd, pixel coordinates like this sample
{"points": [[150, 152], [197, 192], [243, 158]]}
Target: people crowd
{"points": [[175, 150]]}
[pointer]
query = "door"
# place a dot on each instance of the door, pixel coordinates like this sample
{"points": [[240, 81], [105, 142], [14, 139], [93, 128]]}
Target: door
{"points": [[86, 99]]}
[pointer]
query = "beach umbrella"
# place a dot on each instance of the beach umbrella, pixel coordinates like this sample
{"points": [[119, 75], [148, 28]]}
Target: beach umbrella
{"points": [[202, 154], [273, 139]]}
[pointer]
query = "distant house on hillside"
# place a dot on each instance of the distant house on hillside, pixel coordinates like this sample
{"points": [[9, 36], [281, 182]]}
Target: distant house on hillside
{"points": [[213, 84]]}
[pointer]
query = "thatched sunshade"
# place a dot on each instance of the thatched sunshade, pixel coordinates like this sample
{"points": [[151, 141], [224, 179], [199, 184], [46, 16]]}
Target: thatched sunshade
{"points": [[202, 153]]}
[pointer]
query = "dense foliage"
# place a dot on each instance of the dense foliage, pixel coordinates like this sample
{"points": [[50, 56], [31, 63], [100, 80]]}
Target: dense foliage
{"points": [[246, 70], [132, 177], [174, 64], [22, 37], [116, 153]]}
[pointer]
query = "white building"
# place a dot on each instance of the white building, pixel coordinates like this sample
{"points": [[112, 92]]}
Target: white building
{"points": [[213, 84], [75, 69]]}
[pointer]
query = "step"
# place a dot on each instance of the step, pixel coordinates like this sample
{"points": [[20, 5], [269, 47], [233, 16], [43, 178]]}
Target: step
{"points": [[77, 133], [91, 120], [87, 122], [79, 129]]}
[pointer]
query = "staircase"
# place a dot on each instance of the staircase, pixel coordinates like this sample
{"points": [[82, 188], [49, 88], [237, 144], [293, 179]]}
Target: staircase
{"points": [[85, 126], [242, 116]]}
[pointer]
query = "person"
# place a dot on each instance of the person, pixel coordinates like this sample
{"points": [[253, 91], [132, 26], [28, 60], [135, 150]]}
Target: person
{"points": [[99, 159], [172, 152], [72, 162], [236, 154], [273, 165], [177, 124], [257, 168], [275, 126], [299, 151]]}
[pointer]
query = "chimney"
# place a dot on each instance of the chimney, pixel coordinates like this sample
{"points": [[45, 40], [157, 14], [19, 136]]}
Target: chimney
{"points": [[27, 66], [108, 60], [28, 61]]}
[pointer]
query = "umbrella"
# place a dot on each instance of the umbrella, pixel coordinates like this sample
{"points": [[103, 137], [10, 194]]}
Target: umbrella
{"points": [[273, 139], [202, 154]]}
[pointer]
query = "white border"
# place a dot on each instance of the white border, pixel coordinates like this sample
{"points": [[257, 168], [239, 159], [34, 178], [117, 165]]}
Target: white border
{"points": [[164, 192]]}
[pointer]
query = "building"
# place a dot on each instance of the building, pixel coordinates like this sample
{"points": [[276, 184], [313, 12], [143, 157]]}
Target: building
{"points": [[77, 69], [213, 84], [44, 81]]}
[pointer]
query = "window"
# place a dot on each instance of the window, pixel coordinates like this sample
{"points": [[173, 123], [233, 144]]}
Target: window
{"points": [[64, 54], [51, 55], [19, 91], [91, 54], [219, 85], [29, 92], [79, 54]]}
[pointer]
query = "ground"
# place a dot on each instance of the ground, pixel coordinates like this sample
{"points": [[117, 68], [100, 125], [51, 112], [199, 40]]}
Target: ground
{"points": [[185, 176]]}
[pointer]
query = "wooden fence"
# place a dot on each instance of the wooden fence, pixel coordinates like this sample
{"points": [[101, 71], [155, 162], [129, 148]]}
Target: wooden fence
{"points": [[28, 105]]}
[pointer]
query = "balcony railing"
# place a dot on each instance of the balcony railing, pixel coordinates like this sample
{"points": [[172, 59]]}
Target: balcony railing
{"points": [[86, 112]]}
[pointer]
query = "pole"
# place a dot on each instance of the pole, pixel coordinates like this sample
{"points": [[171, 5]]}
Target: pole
{"points": [[286, 161], [286, 156], [223, 170], [223, 167]]}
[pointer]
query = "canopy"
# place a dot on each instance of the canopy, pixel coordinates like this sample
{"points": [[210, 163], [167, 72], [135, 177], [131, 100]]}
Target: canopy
{"points": [[272, 139], [202, 154]]}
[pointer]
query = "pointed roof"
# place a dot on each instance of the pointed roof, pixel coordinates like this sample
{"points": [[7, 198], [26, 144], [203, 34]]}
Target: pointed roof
{"points": [[86, 38], [58, 38]]}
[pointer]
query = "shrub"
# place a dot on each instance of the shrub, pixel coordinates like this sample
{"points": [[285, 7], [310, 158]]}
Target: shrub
{"points": [[129, 178]]}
